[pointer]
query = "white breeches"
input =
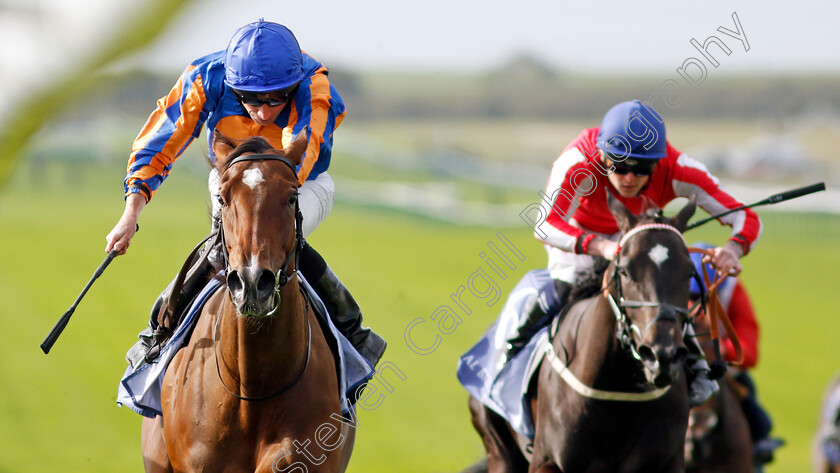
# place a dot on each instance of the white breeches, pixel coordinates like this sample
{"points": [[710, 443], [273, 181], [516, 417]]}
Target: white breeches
{"points": [[571, 267]]}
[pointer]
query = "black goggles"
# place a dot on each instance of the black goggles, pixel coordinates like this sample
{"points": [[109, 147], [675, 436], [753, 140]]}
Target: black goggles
{"points": [[639, 167], [274, 98]]}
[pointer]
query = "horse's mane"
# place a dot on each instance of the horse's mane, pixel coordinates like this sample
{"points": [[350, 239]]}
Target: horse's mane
{"points": [[590, 284]]}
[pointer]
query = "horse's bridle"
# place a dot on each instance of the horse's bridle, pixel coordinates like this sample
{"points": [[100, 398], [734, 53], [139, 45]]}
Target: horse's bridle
{"points": [[281, 278], [626, 330]]}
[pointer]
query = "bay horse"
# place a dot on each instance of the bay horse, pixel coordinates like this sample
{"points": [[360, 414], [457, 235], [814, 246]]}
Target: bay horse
{"points": [[610, 393], [718, 437], [255, 388], [826, 453]]}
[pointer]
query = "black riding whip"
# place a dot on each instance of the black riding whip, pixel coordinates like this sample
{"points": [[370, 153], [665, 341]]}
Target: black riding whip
{"points": [[48, 342], [773, 199]]}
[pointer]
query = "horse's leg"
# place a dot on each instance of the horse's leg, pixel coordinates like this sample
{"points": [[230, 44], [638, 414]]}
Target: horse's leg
{"points": [[503, 455], [153, 446], [347, 447]]}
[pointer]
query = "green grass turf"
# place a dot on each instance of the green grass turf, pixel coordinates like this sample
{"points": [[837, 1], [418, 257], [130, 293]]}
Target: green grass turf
{"points": [[59, 410]]}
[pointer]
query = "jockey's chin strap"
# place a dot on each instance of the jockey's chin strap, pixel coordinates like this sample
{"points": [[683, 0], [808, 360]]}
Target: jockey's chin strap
{"points": [[626, 331], [710, 304], [282, 277]]}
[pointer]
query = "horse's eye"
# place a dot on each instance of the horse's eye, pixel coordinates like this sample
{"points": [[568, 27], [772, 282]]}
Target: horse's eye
{"points": [[293, 199], [220, 200]]}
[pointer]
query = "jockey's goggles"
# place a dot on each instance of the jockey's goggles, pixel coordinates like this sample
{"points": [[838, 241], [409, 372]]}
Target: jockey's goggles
{"points": [[639, 167], [274, 98]]}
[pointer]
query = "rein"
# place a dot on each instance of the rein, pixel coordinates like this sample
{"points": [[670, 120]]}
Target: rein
{"points": [[281, 390], [281, 278], [717, 314]]}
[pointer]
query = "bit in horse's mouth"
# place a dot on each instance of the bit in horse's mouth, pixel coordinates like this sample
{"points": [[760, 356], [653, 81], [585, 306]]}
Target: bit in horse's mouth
{"points": [[250, 311]]}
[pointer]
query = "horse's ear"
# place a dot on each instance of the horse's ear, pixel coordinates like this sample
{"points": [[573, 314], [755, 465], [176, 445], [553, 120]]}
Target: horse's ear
{"points": [[223, 145], [625, 219], [295, 150], [684, 215]]}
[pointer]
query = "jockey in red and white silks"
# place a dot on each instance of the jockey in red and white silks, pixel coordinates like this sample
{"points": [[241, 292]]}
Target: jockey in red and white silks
{"points": [[573, 222], [629, 157]]}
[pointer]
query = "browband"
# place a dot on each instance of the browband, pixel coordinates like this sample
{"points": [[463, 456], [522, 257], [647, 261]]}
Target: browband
{"points": [[263, 157]]}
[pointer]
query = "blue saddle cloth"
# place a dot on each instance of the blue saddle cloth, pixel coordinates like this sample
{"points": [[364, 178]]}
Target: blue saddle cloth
{"points": [[139, 388], [504, 388]]}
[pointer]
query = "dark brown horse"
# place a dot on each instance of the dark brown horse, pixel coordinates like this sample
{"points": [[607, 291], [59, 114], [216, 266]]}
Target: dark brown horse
{"points": [[826, 455], [718, 437], [610, 395], [255, 389]]}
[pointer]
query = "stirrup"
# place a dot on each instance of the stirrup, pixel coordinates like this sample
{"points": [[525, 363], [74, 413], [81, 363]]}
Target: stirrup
{"points": [[136, 355], [512, 349]]}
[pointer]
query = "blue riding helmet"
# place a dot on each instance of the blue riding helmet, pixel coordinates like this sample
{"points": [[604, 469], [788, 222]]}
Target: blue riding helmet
{"points": [[697, 259], [263, 57], [632, 129]]}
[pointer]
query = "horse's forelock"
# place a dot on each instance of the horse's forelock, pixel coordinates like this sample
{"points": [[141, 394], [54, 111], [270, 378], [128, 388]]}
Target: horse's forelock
{"points": [[255, 144]]}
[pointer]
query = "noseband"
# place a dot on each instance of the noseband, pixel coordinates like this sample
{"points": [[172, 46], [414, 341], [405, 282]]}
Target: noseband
{"points": [[282, 277], [626, 330]]}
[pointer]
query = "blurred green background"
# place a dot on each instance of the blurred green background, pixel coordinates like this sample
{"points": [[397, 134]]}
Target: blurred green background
{"points": [[59, 409], [430, 165]]}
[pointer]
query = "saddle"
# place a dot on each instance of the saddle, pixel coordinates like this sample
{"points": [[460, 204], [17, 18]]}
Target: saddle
{"points": [[140, 385], [171, 306], [504, 387]]}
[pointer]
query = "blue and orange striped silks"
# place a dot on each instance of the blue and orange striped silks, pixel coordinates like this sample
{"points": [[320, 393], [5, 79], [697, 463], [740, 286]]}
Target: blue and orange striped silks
{"points": [[200, 97]]}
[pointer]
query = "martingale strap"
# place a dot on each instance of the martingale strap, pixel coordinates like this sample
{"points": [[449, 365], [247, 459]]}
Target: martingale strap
{"points": [[560, 368]]}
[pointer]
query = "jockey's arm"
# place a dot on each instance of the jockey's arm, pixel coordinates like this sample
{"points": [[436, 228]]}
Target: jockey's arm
{"points": [[600, 246], [120, 236], [725, 258]]}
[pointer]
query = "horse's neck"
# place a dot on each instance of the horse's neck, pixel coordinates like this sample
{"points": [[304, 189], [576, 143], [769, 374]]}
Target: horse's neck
{"points": [[598, 357], [269, 352]]}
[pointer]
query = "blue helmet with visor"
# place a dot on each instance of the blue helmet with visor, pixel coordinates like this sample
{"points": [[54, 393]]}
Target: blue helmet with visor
{"points": [[263, 57], [632, 130]]}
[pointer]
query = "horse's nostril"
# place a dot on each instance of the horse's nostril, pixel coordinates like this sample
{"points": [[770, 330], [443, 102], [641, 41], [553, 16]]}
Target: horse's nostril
{"points": [[265, 284], [234, 283], [647, 354]]}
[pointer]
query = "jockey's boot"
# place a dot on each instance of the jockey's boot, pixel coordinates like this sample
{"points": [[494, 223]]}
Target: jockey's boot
{"points": [[152, 338], [341, 306], [698, 373], [538, 311]]}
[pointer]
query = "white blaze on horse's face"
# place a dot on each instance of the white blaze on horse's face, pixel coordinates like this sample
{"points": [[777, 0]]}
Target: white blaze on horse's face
{"points": [[659, 254], [252, 177]]}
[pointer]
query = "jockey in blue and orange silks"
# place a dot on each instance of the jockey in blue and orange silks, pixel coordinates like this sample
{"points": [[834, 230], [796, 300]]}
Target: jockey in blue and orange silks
{"points": [[629, 157], [261, 85]]}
